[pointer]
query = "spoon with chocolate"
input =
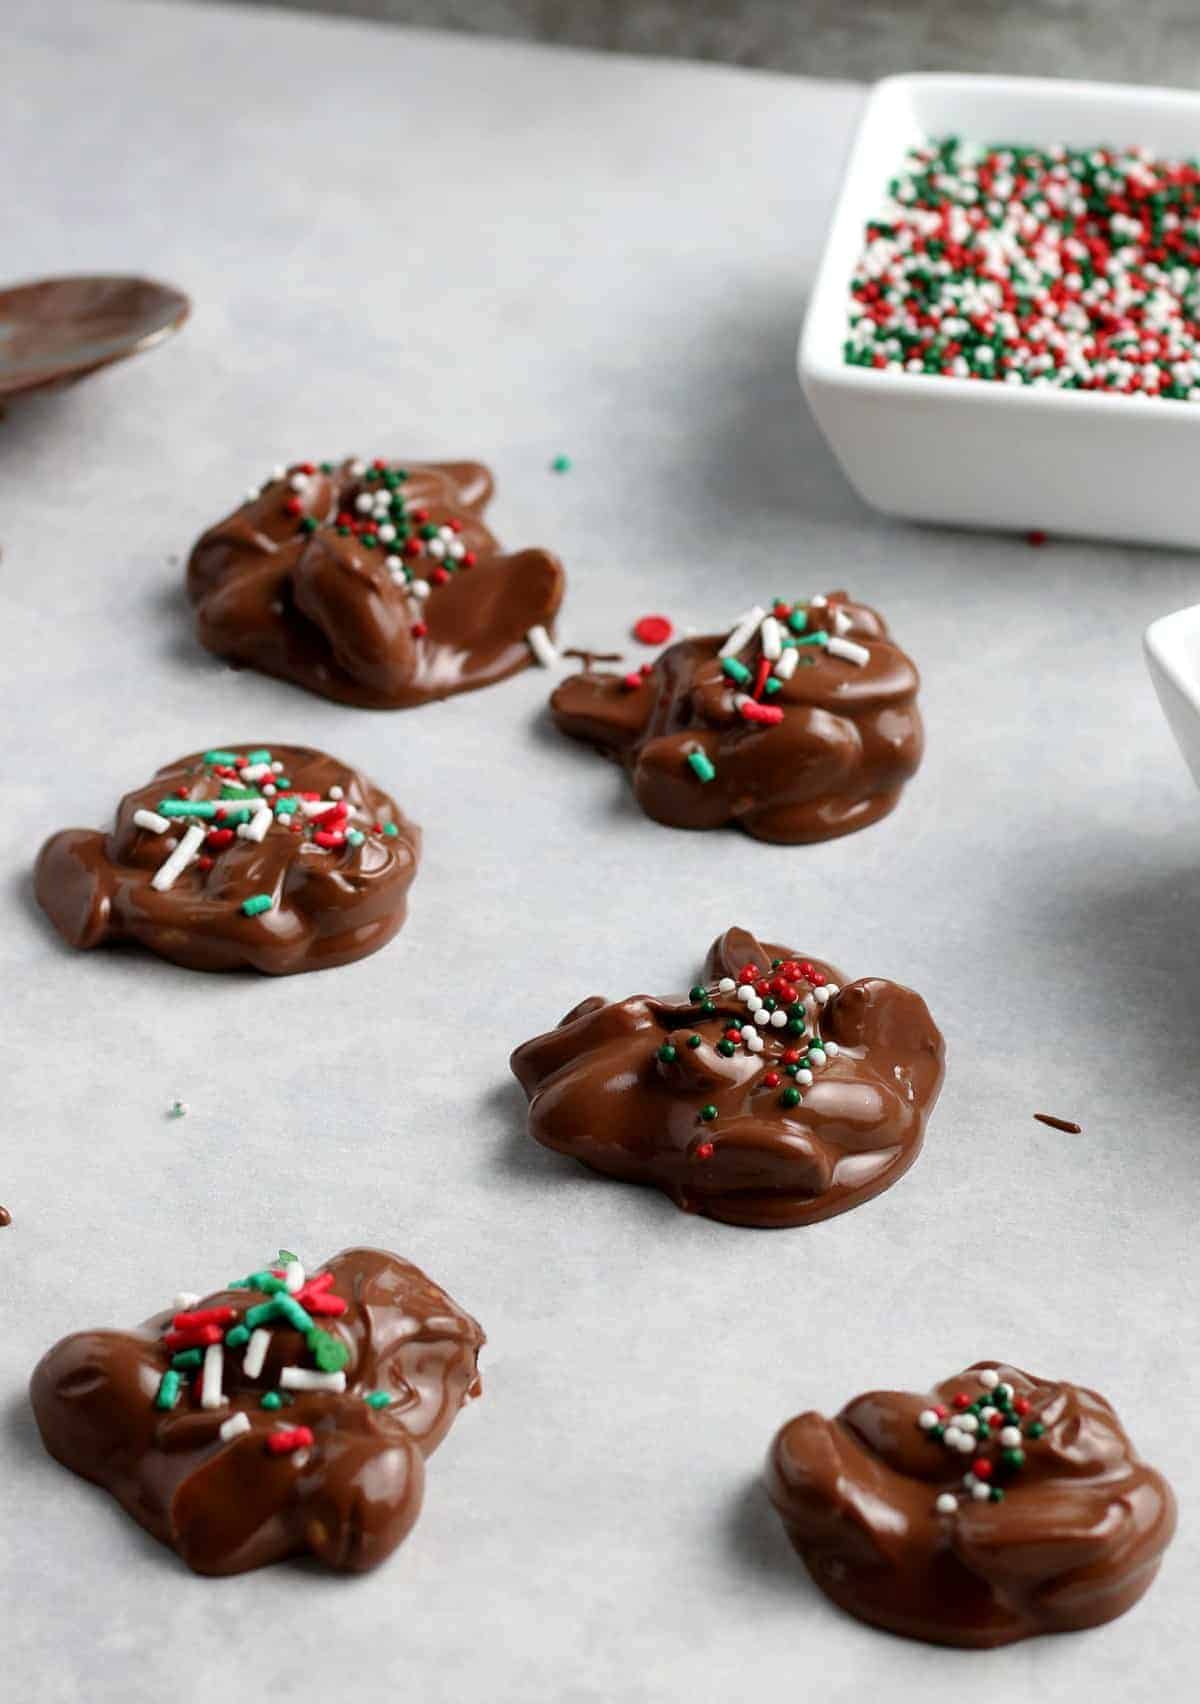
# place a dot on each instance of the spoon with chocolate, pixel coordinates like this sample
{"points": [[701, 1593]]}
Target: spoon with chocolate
{"points": [[56, 330]]}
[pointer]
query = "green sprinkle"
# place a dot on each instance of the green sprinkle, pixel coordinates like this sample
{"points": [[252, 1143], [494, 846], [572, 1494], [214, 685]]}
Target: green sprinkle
{"points": [[187, 1359], [735, 670], [708, 1113], [286, 1256], [707, 1008], [282, 781], [561, 464], [796, 1026], [377, 1399], [667, 1054], [237, 1336], [1014, 1458], [257, 904], [789, 1097], [725, 1047], [696, 992], [271, 1399], [792, 1070], [996, 1494], [168, 1391], [389, 828], [187, 807], [260, 1315], [220, 757], [701, 766], [694, 1040], [798, 620], [228, 791], [814, 639], [309, 524], [329, 1352], [295, 1314], [355, 836], [1035, 1429], [260, 754], [773, 686], [286, 807]]}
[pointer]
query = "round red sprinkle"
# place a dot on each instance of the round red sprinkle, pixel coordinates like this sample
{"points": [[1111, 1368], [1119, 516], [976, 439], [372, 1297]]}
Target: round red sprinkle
{"points": [[412, 547], [439, 576], [345, 519], [455, 525], [652, 630], [631, 682], [294, 506], [981, 1467], [379, 464], [733, 1035], [748, 974], [468, 559], [421, 515], [1021, 1404], [791, 1056], [204, 862], [418, 630], [961, 1399], [940, 1409], [308, 467], [218, 838], [772, 1079], [704, 1151]]}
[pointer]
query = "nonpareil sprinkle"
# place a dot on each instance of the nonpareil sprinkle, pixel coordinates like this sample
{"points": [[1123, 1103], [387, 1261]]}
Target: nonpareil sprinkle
{"points": [[1060, 268]]}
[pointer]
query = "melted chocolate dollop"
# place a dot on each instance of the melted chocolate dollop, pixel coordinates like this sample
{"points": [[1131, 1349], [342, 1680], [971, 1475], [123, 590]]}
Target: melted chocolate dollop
{"points": [[773, 1095]]}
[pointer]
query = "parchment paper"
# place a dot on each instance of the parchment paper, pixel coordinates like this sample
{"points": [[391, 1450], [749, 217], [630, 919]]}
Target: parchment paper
{"points": [[435, 246]]}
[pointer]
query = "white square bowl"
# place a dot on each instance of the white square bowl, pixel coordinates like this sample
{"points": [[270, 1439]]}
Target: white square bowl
{"points": [[1173, 655], [980, 453]]}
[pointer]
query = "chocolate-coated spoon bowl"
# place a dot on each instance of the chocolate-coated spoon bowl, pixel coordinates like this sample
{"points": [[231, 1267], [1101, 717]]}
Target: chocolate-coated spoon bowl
{"points": [[56, 330]]}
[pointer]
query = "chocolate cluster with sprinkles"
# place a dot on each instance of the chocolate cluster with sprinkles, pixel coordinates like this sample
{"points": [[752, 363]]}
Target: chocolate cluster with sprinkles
{"points": [[1000, 1506], [1061, 268], [373, 582], [290, 1412], [798, 724], [278, 858], [773, 1095]]}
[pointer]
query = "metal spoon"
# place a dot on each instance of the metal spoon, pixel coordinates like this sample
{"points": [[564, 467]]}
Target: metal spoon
{"points": [[56, 330]]}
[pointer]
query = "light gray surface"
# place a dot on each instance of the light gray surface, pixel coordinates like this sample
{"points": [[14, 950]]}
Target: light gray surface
{"points": [[430, 246], [1153, 41]]}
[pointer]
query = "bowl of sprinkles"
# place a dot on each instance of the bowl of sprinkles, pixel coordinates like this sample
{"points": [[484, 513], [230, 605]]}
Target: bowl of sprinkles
{"points": [[1005, 327]]}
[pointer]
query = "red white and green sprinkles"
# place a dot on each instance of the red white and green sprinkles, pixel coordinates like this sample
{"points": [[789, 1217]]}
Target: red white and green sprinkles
{"points": [[762, 652], [199, 1342], [771, 1016], [419, 553], [250, 797], [1064, 268], [992, 1428]]}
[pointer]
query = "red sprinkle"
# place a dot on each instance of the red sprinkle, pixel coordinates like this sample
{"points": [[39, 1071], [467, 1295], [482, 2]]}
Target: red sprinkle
{"points": [[293, 506], [218, 838], [631, 682], [294, 1438], [768, 714], [1035, 537], [704, 1151], [653, 630], [418, 630], [202, 1316], [196, 1337], [772, 1079]]}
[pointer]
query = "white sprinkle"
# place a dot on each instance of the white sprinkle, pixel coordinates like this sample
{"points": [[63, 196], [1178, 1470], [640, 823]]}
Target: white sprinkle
{"points": [[755, 1043], [256, 828], [927, 1419], [256, 772], [301, 1458], [211, 1394], [1010, 1437], [253, 494], [817, 1056], [317, 807], [303, 1378], [831, 1048], [269, 789], [849, 651], [457, 550], [980, 1491], [761, 1015], [831, 988], [746, 993], [387, 533], [446, 533], [356, 469], [821, 995], [363, 502], [804, 1077], [968, 1423], [299, 482], [542, 646], [788, 663], [947, 1503], [436, 547], [841, 621], [337, 792], [744, 629], [818, 602], [393, 564], [293, 1276], [172, 867], [779, 1018], [234, 1427], [989, 1378], [727, 985], [277, 766], [185, 1299], [951, 1437], [420, 588], [771, 635], [256, 1353], [151, 820]]}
